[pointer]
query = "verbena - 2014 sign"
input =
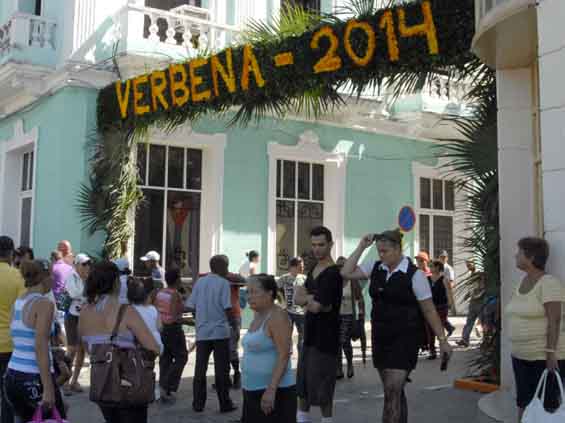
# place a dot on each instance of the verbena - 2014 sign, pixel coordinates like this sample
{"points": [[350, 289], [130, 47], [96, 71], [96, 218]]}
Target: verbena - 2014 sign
{"points": [[360, 51]]}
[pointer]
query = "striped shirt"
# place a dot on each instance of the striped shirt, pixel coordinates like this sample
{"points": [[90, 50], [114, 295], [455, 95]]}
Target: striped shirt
{"points": [[24, 358]]}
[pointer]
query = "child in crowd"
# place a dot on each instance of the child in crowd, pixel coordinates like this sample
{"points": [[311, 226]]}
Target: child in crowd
{"points": [[61, 362], [139, 295]]}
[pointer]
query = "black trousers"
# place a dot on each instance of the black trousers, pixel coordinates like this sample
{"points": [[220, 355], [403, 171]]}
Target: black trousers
{"points": [[7, 415], [24, 392], [124, 415], [174, 357], [221, 350]]}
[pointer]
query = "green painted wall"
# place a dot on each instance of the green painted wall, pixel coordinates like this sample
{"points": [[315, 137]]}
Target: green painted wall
{"points": [[65, 122], [26, 6], [376, 188], [379, 180]]}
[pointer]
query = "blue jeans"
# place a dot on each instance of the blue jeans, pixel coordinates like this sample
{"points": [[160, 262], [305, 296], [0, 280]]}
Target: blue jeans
{"points": [[475, 308]]}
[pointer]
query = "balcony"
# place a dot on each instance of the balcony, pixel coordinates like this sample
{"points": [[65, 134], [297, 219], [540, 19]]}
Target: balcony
{"points": [[501, 26], [28, 39], [145, 38]]}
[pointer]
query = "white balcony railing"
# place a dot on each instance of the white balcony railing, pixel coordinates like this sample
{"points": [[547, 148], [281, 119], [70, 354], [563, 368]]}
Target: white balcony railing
{"points": [[184, 28], [23, 31]]}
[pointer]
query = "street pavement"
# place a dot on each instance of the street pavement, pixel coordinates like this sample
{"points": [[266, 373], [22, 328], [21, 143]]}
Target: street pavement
{"points": [[431, 396]]}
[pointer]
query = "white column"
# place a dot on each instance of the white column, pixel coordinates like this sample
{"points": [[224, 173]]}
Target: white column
{"points": [[552, 123], [516, 183], [517, 202]]}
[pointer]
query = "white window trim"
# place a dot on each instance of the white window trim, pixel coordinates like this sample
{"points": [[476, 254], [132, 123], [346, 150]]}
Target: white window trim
{"points": [[439, 171], [211, 203], [21, 142], [27, 193], [335, 170]]}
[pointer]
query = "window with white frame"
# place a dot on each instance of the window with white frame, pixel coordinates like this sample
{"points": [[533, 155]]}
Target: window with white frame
{"points": [[299, 208], [169, 217], [26, 198], [436, 213]]}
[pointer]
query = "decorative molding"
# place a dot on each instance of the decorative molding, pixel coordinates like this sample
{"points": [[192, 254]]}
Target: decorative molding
{"points": [[20, 139], [10, 204], [308, 149]]}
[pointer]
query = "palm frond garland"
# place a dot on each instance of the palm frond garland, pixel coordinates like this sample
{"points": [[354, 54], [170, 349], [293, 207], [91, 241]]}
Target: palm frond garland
{"points": [[426, 36], [112, 193]]}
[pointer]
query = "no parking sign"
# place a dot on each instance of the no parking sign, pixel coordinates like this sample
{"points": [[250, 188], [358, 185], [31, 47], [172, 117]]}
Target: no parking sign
{"points": [[406, 219]]}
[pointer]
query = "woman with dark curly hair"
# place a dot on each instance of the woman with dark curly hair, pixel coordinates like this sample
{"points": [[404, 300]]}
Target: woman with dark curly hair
{"points": [[97, 320]]}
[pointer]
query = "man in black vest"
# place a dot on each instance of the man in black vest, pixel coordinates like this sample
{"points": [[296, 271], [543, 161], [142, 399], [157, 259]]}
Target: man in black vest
{"points": [[402, 302], [321, 299]]}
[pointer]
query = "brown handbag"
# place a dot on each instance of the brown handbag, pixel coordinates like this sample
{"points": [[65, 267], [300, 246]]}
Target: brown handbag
{"points": [[121, 377]]}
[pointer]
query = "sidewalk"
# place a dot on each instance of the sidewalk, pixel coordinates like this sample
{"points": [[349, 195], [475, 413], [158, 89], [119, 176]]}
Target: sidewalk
{"points": [[431, 396]]}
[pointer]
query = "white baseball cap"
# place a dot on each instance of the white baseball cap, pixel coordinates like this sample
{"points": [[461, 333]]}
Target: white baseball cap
{"points": [[82, 258], [151, 256]]}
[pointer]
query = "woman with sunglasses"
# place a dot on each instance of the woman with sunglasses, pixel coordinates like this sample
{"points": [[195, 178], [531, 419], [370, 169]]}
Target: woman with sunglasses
{"points": [[29, 381], [74, 286]]}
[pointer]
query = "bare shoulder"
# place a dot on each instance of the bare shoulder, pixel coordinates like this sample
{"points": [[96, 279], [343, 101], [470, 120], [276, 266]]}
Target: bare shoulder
{"points": [[279, 317], [43, 305]]}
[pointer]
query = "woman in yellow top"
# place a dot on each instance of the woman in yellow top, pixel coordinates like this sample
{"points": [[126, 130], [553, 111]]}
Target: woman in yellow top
{"points": [[535, 314]]}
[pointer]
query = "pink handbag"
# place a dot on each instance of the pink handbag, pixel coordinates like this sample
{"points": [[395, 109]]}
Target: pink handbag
{"points": [[55, 417]]}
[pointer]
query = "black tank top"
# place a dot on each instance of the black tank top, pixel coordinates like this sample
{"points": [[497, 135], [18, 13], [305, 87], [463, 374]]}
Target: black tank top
{"points": [[439, 293]]}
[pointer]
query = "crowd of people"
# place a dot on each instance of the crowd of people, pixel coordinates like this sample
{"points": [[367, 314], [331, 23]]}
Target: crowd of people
{"points": [[55, 313]]}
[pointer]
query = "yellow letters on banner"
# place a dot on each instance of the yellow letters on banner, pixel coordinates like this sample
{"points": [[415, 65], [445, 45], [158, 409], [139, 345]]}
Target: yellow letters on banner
{"points": [[227, 74], [123, 98], [176, 86], [331, 61], [138, 95], [371, 42], [426, 28], [158, 82], [250, 64], [196, 80], [387, 21], [284, 59]]}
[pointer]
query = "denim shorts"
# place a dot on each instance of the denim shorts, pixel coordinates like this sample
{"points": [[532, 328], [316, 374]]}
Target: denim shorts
{"points": [[527, 375]]}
